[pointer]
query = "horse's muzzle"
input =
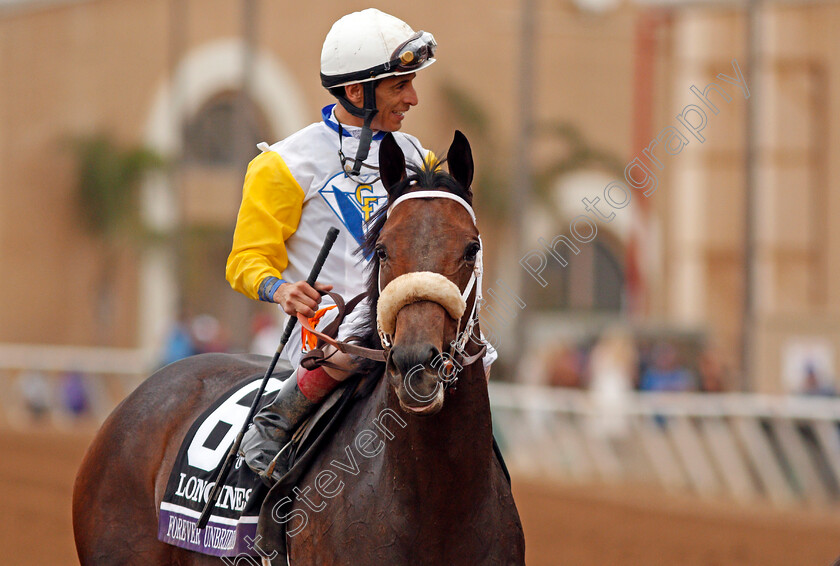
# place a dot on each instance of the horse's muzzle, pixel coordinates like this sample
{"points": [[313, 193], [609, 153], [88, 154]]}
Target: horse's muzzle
{"points": [[408, 357], [418, 389]]}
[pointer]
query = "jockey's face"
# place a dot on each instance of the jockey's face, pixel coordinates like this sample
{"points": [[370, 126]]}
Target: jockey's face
{"points": [[394, 97]]}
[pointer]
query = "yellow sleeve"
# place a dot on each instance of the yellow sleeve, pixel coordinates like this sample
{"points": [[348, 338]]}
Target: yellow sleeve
{"points": [[272, 201]]}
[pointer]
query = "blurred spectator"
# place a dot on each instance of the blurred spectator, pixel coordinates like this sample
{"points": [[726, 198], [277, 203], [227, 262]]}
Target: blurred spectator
{"points": [[74, 394], [612, 365], [266, 334], [712, 371], [814, 384], [665, 373], [209, 335], [179, 344], [563, 366], [644, 348], [36, 394]]}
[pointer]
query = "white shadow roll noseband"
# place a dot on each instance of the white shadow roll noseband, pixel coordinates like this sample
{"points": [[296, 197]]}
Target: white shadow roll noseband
{"points": [[429, 286], [413, 288]]}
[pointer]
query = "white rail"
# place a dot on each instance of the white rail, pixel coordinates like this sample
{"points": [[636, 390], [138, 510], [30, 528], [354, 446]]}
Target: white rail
{"points": [[33, 381], [746, 447], [122, 361]]}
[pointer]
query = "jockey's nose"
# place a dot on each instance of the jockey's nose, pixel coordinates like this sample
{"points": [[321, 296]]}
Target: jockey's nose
{"points": [[410, 356], [410, 95]]}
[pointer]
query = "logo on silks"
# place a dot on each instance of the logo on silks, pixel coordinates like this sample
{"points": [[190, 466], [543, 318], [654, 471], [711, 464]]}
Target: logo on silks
{"points": [[354, 203]]}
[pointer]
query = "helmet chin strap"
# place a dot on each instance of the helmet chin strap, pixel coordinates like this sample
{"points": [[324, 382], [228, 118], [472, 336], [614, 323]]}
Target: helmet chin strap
{"points": [[366, 113]]}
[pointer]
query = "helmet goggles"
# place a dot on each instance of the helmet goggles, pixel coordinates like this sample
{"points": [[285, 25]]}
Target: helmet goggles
{"points": [[415, 51]]}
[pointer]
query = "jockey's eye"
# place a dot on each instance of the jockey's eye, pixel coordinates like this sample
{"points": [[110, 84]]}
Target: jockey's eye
{"points": [[381, 253], [471, 252]]}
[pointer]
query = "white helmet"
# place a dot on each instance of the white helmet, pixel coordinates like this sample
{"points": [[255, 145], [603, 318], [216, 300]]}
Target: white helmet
{"points": [[369, 45], [364, 47]]}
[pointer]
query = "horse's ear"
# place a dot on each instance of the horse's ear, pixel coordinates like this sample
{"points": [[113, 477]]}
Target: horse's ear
{"points": [[460, 160], [391, 162]]}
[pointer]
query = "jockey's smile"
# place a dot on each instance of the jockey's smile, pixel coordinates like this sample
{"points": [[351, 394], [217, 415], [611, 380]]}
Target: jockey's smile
{"points": [[394, 97]]}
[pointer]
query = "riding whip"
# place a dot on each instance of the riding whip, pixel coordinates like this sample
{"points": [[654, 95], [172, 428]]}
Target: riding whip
{"points": [[332, 234]]}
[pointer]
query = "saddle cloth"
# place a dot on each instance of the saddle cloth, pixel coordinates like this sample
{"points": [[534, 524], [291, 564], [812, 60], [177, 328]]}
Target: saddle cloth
{"points": [[232, 528]]}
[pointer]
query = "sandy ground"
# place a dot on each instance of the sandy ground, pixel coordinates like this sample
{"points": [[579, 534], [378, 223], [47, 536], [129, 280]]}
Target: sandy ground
{"points": [[597, 525], [563, 525]]}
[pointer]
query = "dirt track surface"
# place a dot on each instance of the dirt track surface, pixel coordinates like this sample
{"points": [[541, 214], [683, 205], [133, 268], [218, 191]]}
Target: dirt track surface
{"points": [[607, 526], [563, 525]]}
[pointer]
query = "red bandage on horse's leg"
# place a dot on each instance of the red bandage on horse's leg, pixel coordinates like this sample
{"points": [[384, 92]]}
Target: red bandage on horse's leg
{"points": [[315, 384]]}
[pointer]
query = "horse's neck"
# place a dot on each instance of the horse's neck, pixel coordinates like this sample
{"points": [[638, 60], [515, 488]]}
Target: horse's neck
{"points": [[445, 459]]}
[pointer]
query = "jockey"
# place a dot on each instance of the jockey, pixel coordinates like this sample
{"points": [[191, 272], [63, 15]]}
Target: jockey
{"points": [[298, 187]]}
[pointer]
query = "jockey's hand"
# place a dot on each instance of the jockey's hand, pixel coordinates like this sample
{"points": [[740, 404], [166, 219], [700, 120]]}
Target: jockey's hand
{"points": [[299, 297]]}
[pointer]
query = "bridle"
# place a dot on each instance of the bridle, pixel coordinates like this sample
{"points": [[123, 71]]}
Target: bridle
{"points": [[428, 286], [410, 288]]}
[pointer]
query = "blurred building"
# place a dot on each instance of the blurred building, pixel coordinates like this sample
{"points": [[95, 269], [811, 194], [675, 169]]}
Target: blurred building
{"points": [[699, 216], [201, 82]]}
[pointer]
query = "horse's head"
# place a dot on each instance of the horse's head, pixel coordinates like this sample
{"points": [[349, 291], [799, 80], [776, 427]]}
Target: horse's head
{"points": [[425, 253]]}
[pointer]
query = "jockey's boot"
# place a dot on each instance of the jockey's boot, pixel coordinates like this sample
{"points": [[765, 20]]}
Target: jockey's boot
{"points": [[275, 424]]}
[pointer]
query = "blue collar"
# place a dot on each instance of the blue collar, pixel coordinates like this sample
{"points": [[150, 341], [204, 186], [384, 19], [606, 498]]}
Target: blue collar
{"points": [[327, 115]]}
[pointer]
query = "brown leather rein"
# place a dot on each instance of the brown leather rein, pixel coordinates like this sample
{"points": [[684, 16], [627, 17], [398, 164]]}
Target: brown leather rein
{"points": [[315, 358]]}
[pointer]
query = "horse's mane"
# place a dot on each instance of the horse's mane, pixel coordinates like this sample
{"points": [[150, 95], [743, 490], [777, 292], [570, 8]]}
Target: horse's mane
{"points": [[428, 176]]}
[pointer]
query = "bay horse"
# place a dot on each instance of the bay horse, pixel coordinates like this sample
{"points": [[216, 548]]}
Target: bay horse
{"points": [[410, 477]]}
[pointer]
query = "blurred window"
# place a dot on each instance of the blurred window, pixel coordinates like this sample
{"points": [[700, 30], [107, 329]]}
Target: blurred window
{"points": [[217, 134], [592, 281]]}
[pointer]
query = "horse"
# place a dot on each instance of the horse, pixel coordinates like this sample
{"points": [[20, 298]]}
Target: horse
{"points": [[411, 476]]}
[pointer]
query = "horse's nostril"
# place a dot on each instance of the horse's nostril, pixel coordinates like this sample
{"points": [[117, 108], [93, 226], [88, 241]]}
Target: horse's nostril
{"points": [[408, 357], [432, 354]]}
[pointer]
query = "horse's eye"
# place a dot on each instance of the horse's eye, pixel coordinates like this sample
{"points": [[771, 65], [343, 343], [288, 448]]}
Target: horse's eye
{"points": [[381, 254], [471, 252]]}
